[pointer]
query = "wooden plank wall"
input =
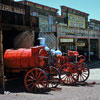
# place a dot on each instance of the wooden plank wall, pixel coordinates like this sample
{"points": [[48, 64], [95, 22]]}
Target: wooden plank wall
{"points": [[24, 39], [50, 39]]}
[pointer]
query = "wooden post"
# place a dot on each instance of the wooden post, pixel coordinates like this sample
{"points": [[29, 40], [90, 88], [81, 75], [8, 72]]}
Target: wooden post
{"points": [[75, 44], [75, 39], [57, 41], [89, 50], [2, 83], [89, 47], [99, 47], [76, 47]]}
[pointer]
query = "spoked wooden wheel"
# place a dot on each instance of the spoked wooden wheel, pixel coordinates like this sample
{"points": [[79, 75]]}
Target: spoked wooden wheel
{"points": [[43, 57], [59, 61], [35, 80], [83, 73], [54, 77], [69, 73]]}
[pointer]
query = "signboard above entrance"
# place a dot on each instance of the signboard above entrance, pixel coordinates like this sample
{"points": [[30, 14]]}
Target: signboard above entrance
{"points": [[76, 21], [63, 30], [11, 9], [66, 40], [81, 44]]}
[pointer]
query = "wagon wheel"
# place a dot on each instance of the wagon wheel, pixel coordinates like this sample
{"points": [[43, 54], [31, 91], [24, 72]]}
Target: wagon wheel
{"points": [[83, 73], [35, 80], [59, 61], [43, 57], [69, 74], [54, 77]]}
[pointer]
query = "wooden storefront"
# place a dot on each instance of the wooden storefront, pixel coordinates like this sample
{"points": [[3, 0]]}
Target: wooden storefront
{"points": [[82, 40]]}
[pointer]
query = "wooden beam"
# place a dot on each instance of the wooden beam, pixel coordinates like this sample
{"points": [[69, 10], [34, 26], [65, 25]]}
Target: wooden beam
{"points": [[89, 50], [89, 59], [2, 83], [75, 44], [17, 27], [99, 47]]}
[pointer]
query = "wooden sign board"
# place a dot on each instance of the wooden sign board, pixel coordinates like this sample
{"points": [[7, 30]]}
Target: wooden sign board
{"points": [[66, 40], [12, 9], [81, 44]]}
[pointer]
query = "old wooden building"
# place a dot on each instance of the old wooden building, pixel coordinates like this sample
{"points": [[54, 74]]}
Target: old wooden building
{"points": [[78, 35], [21, 24], [48, 20], [68, 31], [18, 29]]}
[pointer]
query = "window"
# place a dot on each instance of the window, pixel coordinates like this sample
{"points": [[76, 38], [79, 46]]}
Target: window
{"points": [[50, 23], [64, 14], [35, 14]]}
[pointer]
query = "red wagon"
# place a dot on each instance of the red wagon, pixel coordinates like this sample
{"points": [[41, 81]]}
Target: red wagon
{"points": [[72, 68], [34, 62]]}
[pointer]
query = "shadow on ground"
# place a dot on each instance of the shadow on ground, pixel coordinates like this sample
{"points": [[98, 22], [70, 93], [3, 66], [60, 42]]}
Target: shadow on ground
{"points": [[79, 84], [93, 64], [17, 86]]}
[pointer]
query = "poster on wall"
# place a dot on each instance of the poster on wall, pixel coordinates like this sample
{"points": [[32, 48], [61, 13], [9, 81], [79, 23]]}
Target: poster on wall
{"points": [[76, 21]]}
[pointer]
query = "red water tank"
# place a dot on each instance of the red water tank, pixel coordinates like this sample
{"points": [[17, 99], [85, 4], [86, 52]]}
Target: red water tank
{"points": [[22, 58]]}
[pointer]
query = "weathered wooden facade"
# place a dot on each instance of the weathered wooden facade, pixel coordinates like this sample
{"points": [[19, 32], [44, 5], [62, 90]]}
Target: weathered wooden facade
{"points": [[15, 21], [48, 20], [78, 35], [71, 29], [74, 18], [94, 24]]}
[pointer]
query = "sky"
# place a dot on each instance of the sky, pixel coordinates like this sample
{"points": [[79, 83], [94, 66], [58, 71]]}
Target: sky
{"points": [[92, 7]]}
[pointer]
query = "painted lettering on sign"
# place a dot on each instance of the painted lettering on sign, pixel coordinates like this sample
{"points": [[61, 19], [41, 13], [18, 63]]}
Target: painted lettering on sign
{"points": [[76, 21], [66, 40], [11, 9], [80, 44]]}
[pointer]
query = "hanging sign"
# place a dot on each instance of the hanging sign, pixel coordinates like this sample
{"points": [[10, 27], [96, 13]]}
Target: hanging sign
{"points": [[81, 44], [66, 40]]}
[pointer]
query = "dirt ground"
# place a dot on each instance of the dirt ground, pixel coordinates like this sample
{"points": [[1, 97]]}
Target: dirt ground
{"points": [[90, 90]]}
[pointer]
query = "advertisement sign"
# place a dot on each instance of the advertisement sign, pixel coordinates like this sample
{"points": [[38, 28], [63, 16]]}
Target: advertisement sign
{"points": [[76, 21], [66, 40], [81, 44], [11, 9]]}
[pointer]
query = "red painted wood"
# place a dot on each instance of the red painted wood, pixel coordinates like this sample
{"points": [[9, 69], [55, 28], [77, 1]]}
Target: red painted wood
{"points": [[22, 58]]}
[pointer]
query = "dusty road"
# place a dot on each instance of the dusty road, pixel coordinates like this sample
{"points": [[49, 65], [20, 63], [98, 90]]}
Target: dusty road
{"points": [[84, 91]]}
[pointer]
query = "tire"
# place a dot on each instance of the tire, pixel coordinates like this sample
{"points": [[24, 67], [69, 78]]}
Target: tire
{"points": [[36, 80], [54, 77], [69, 74], [83, 73]]}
